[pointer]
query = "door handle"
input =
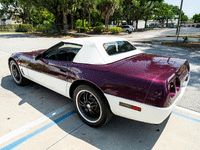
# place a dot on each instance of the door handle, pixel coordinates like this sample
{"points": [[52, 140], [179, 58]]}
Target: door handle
{"points": [[63, 69]]}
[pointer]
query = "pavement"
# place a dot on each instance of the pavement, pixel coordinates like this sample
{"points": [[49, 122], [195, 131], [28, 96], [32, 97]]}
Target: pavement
{"points": [[34, 117]]}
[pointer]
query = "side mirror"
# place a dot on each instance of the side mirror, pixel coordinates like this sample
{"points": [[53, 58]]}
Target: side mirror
{"points": [[38, 56]]}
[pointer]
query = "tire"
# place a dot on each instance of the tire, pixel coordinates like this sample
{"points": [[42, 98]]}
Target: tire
{"points": [[91, 106], [16, 74]]}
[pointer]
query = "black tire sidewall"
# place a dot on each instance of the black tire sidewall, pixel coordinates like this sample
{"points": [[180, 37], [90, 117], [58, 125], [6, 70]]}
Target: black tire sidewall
{"points": [[99, 98], [12, 62]]}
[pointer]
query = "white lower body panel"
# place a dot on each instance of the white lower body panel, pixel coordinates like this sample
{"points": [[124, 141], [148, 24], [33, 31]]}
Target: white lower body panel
{"points": [[57, 85], [148, 114]]}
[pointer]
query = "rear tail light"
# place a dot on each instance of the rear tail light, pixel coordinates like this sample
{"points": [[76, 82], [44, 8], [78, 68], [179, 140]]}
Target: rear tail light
{"points": [[178, 84], [136, 108], [172, 90], [183, 71], [188, 67]]}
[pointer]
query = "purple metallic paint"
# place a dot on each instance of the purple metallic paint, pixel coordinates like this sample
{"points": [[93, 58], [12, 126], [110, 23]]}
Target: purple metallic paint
{"points": [[142, 78]]}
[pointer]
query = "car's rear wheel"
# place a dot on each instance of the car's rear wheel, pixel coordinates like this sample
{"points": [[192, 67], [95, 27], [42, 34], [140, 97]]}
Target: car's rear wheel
{"points": [[91, 106], [16, 74]]}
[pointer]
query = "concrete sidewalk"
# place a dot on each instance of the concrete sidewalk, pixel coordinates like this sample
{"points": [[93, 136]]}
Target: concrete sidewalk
{"points": [[179, 131]]}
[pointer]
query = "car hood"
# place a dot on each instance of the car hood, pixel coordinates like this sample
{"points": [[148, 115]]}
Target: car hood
{"points": [[149, 66]]}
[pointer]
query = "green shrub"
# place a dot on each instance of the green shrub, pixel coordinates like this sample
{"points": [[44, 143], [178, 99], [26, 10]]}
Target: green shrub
{"points": [[98, 29], [41, 28], [24, 28], [13, 26], [84, 26], [114, 30], [185, 39], [83, 29], [44, 28], [6, 28], [99, 24]]}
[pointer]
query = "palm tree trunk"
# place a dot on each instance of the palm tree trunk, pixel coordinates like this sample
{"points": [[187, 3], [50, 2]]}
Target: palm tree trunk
{"points": [[72, 21], [136, 24], [106, 22], [89, 17], [145, 25], [64, 21]]}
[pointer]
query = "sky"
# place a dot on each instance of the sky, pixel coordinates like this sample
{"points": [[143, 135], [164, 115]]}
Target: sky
{"points": [[190, 7]]}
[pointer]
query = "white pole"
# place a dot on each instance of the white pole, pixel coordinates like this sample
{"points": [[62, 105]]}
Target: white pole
{"points": [[178, 28]]}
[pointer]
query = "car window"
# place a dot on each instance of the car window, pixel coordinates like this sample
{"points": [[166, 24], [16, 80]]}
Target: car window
{"points": [[62, 52], [126, 26], [118, 47]]}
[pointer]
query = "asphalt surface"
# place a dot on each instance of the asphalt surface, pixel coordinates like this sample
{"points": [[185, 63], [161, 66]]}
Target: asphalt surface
{"points": [[34, 117]]}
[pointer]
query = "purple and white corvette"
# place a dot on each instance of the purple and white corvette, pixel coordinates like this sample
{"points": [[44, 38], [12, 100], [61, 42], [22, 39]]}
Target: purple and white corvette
{"points": [[106, 76]]}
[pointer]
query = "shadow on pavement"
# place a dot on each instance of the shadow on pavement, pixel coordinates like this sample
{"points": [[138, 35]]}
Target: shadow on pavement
{"points": [[119, 133]]}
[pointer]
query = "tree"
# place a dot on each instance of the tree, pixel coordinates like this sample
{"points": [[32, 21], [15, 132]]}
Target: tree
{"points": [[163, 13], [90, 4], [107, 8], [149, 9], [126, 10], [196, 18], [133, 10], [117, 16], [23, 11], [166, 12], [53, 6], [68, 7], [8, 8], [184, 18]]}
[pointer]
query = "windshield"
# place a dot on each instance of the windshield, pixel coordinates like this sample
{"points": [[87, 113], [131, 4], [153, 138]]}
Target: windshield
{"points": [[117, 47]]}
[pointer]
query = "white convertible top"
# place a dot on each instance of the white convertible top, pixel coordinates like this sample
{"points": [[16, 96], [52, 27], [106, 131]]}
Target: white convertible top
{"points": [[93, 52]]}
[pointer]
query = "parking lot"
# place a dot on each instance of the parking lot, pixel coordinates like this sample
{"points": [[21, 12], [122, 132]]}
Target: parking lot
{"points": [[34, 117]]}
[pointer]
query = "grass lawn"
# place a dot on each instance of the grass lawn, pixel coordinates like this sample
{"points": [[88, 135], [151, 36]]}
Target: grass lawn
{"points": [[189, 36], [8, 32]]}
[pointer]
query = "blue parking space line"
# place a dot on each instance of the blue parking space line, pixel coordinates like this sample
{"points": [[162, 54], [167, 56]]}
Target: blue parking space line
{"points": [[193, 119], [25, 138]]}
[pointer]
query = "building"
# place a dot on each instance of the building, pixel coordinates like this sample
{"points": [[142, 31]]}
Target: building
{"points": [[4, 21]]}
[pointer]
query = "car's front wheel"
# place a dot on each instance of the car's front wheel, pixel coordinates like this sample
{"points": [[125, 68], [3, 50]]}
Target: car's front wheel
{"points": [[16, 74], [91, 106]]}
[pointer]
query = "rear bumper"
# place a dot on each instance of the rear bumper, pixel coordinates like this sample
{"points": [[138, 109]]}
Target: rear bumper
{"points": [[148, 114]]}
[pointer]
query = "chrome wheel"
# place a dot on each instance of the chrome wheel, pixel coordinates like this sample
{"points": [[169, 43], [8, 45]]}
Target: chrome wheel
{"points": [[15, 72], [88, 106], [91, 105]]}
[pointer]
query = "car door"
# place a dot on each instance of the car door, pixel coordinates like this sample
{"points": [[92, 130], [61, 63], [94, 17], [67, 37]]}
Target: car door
{"points": [[51, 70]]}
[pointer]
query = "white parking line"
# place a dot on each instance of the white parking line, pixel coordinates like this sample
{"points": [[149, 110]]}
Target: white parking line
{"points": [[32, 124], [5, 53], [188, 111]]}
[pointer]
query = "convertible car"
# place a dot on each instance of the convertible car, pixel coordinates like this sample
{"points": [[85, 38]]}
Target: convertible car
{"points": [[106, 76]]}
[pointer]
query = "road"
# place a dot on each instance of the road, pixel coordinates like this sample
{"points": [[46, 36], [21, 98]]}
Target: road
{"points": [[33, 117]]}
